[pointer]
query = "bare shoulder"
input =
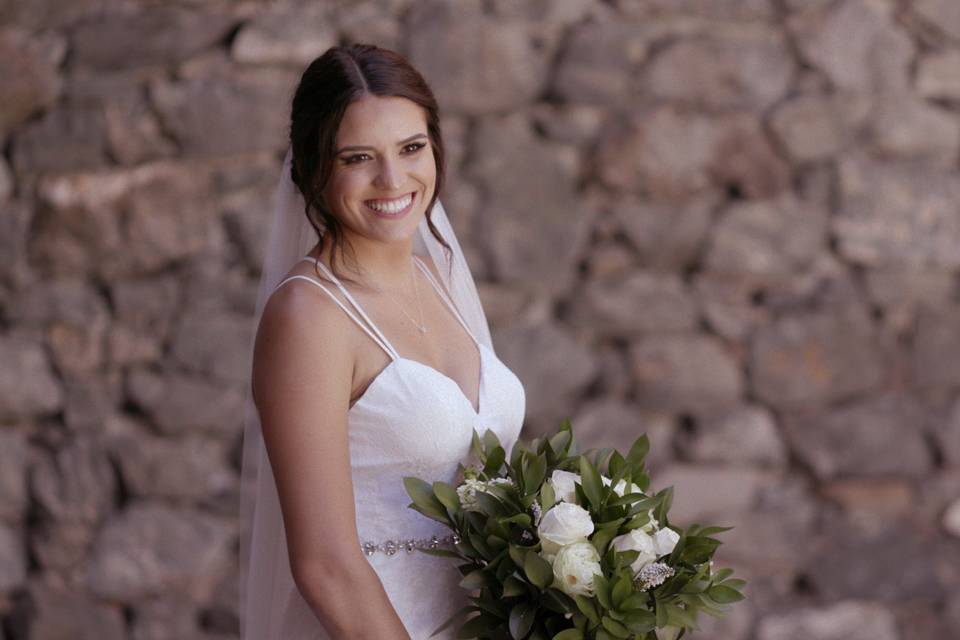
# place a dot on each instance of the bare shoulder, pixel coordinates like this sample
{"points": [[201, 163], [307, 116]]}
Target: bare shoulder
{"points": [[303, 337]]}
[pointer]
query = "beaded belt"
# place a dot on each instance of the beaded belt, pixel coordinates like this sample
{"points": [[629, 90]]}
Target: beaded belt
{"points": [[390, 547]]}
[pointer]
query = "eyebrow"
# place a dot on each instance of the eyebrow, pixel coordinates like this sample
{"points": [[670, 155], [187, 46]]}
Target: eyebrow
{"points": [[362, 147]]}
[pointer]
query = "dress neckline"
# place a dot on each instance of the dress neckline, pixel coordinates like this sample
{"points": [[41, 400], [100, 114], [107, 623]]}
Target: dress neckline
{"points": [[395, 355]]}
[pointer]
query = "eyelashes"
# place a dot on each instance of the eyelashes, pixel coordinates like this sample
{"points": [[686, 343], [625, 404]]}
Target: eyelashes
{"points": [[354, 159]]}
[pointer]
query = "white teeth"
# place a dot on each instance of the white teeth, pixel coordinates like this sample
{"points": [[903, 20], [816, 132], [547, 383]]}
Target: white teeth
{"points": [[393, 206]]}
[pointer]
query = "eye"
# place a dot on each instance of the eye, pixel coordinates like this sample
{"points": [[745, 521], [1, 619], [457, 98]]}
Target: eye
{"points": [[353, 159], [416, 146]]}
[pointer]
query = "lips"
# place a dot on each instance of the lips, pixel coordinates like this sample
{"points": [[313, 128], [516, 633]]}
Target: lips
{"points": [[383, 213]]}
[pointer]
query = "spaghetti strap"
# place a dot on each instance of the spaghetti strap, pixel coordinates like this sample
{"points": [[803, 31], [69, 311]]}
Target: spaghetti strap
{"points": [[381, 342], [356, 305], [443, 296]]}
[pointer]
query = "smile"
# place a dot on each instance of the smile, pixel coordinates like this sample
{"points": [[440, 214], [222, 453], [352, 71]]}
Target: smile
{"points": [[391, 208]]}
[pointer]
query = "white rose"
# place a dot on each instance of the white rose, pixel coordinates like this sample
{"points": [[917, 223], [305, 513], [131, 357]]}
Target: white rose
{"points": [[562, 482], [564, 524], [650, 547], [467, 492], [621, 487], [574, 568]]}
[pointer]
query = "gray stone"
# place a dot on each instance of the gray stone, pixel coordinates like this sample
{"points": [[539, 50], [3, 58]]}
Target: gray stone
{"points": [[667, 236], [949, 435], [76, 483], [637, 302], [852, 563], [768, 240], [76, 321], [744, 161], [936, 348], [89, 402], [938, 75], [685, 372], [554, 366], [814, 127], [28, 69], [898, 215], [28, 386], [474, 64], [951, 519], [191, 469], [148, 549], [567, 123], [61, 545], [718, 10], [617, 424], [77, 226], [856, 440], [370, 21], [133, 132], [900, 293], [160, 230], [747, 68], [532, 207], [214, 344], [728, 303], [810, 360], [666, 153], [746, 435], [166, 617], [65, 139], [13, 475], [13, 559], [943, 15], [600, 62], [204, 114], [6, 181], [178, 403], [144, 311], [846, 620], [906, 126], [715, 495], [856, 44], [154, 35], [285, 34], [68, 613]]}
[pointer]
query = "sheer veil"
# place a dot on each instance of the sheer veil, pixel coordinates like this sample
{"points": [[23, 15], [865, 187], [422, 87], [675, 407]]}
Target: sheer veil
{"points": [[264, 565]]}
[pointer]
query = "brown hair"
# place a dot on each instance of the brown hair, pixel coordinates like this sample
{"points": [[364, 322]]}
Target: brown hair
{"points": [[342, 75]]}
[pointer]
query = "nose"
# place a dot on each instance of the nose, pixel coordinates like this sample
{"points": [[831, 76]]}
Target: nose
{"points": [[389, 176]]}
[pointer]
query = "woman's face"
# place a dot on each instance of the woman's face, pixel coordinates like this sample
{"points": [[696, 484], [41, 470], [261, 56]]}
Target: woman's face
{"points": [[384, 171]]}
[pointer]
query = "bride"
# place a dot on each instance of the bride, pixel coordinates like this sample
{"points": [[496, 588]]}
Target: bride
{"points": [[372, 361]]}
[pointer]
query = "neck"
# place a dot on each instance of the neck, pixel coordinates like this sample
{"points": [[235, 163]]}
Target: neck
{"points": [[376, 265]]}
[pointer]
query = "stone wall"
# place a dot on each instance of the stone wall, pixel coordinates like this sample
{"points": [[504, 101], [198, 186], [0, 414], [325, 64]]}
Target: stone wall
{"points": [[730, 224]]}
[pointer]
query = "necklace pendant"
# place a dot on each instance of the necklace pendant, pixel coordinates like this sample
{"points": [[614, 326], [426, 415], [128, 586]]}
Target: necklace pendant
{"points": [[422, 329]]}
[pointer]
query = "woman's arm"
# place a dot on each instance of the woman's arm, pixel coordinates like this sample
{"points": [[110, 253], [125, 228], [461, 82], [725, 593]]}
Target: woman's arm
{"points": [[302, 377]]}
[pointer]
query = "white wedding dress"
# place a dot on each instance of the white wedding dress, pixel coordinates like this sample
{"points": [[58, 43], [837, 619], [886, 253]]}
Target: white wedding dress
{"points": [[412, 420]]}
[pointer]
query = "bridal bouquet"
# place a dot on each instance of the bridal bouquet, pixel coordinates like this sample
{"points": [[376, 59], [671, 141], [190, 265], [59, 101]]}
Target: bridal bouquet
{"points": [[556, 545]]}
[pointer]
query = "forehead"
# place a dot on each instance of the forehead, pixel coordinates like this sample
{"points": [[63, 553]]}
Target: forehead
{"points": [[379, 120]]}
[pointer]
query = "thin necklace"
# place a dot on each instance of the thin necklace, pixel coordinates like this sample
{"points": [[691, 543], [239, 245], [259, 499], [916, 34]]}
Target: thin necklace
{"points": [[419, 325]]}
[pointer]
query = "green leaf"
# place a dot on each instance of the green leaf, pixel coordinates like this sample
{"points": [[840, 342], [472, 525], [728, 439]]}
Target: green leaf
{"points": [[602, 589], [477, 627], [424, 501], [560, 442], [569, 634], [616, 629], [638, 451], [452, 619], [521, 620], [447, 496], [724, 594], [591, 483], [621, 589], [491, 441], [477, 446], [495, 459], [538, 570], [534, 474], [587, 608], [640, 620], [548, 497], [475, 580], [513, 587]]}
